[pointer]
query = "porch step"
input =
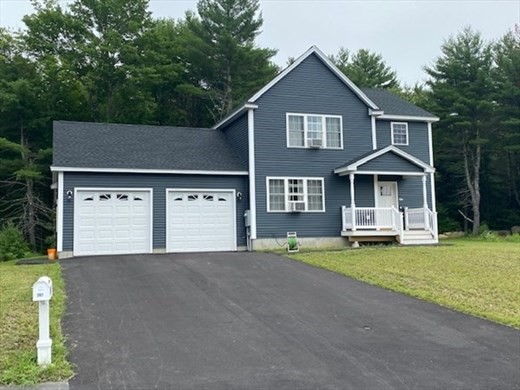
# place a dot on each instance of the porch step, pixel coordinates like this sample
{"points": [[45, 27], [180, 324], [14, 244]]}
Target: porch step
{"points": [[417, 237]]}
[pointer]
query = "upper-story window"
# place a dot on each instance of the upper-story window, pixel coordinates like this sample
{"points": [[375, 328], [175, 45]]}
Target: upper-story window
{"points": [[314, 131], [399, 133]]}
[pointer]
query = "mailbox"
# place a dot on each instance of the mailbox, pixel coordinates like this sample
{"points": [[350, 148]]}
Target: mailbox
{"points": [[42, 289]]}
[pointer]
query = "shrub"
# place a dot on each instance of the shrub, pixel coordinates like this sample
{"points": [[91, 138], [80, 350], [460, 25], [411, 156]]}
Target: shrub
{"points": [[12, 243], [483, 229]]}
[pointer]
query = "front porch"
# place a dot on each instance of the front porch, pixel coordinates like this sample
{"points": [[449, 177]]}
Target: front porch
{"points": [[390, 219], [411, 226]]}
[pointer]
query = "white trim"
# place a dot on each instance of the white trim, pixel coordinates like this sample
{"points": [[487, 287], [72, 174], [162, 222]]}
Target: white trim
{"points": [[306, 129], [110, 189], [150, 171], [432, 175], [392, 133], [286, 193], [409, 118], [433, 195], [223, 190], [424, 191], [372, 112], [252, 170], [374, 132], [391, 148], [59, 213], [229, 118], [352, 190], [329, 64], [382, 173], [430, 143], [376, 190]]}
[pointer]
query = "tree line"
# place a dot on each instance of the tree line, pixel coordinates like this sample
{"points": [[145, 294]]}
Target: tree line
{"points": [[111, 61]]}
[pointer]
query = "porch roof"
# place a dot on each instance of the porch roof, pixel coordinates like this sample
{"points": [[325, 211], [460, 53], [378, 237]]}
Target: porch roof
{"points": [[385, 161]]}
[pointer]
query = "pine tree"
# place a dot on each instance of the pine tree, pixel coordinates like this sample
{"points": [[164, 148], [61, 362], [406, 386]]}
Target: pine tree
{"points": [[222, 52], [462, 91], [366, 69]]}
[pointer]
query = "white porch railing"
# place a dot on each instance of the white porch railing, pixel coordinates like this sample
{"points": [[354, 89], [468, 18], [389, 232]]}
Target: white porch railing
{"points": [[432, 222], [371, 218], [388, 218], [421, 218], [415, 218]]}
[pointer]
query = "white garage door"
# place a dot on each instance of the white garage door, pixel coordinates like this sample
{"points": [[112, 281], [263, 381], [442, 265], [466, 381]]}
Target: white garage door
{"points": [[201, 221], [112, 222]]}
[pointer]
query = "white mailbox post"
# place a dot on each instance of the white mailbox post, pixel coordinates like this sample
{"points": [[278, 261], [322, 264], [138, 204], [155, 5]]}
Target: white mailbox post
{"points": [[42, 293]]}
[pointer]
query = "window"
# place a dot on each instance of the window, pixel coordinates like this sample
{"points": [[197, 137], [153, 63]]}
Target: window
{"points": [[399, 133], [295, 194], [305, 131]]}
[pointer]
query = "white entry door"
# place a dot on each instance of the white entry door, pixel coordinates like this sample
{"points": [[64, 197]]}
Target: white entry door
{"points": [[200, 221], [112, 222], [387, 194]]}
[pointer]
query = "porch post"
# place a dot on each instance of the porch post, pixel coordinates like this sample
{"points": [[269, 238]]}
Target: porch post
{"points": [[425, 202], [352, 201]]}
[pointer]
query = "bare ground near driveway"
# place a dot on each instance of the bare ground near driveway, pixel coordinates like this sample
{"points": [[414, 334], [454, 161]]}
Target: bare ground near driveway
{"points": [[261, 321]]}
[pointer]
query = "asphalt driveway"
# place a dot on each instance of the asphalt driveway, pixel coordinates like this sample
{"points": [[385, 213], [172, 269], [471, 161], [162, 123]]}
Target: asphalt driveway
{"points": [[260, 321]]}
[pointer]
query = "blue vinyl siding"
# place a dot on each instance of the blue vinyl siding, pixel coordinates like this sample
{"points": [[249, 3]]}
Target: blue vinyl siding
{"points": [[390, 162], [410, 188], [159, 184], [411, 191], [309, 89], [236, 134], [417, 138]]}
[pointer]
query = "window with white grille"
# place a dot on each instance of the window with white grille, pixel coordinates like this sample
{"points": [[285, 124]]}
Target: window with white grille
{"points": [[314, 131], [290, 194], [399, 133]]}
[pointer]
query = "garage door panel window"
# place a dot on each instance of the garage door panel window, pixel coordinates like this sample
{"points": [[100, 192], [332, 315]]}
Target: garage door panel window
{"points": [[306, 193]]}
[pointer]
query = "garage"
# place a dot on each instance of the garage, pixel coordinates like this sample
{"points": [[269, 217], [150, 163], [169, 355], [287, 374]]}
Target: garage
{"points": [[112, 221], [200, 221]]}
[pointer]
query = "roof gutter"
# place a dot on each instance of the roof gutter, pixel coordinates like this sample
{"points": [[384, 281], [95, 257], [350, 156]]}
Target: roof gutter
{"points": [[149, 171]]}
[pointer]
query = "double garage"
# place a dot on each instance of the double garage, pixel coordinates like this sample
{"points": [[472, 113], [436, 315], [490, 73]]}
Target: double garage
{"points": [[133, 220]]}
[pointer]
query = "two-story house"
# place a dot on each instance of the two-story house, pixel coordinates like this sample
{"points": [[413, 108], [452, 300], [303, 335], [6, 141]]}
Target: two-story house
{"points": [[309, 153]]}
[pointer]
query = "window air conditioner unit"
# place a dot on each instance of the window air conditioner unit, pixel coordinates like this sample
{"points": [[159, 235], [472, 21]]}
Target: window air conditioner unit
{"points": [[296, 206], [314, 143]]}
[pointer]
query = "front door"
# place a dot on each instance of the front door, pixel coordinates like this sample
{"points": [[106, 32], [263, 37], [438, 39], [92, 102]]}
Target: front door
{"points": [[387, 194]]}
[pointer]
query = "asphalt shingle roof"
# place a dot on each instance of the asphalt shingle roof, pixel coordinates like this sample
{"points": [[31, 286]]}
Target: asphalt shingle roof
{"points": [[392, 104], [101, 145]]}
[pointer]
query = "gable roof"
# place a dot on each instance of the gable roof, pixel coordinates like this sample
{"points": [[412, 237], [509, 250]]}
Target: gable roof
{"points": [[326, 61], [393, 105], [82, 146], [353, 165]]}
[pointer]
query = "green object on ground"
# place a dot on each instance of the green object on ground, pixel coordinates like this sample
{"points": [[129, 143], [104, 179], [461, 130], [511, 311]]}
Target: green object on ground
{"points": [[292, 243]]}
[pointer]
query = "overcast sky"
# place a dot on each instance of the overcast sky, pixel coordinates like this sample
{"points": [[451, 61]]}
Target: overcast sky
{"points": [[407, 33]]}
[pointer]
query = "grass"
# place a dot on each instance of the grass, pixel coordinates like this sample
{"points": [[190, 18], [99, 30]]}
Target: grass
{"points": [[477, 277], [19, 325]]}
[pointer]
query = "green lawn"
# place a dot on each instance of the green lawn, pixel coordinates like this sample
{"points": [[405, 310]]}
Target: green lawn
{"points": [[476, 277], [19, 325]]}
